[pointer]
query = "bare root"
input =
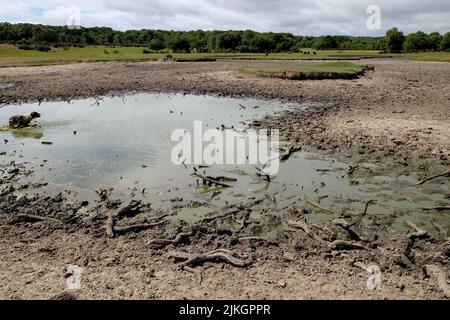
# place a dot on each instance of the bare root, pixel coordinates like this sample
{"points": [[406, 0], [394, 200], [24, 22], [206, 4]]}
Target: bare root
{"points": [[444, 174], [300, 224], [165, 242], [220, 255]]}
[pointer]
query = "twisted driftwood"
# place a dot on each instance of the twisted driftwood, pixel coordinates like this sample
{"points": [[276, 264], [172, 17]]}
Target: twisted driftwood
{"points": [[220, 255], [300, 224], [444, 174], [315, 204], [178, 239], [419, 234], [134, 207], [346, 245], [344, 224]]}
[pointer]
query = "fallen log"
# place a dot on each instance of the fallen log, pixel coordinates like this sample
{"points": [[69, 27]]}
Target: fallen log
{"points": [[344, 224], [418, 234], [137, 227], [134, 207], [165, 242], [219, 216], [346, 245], [300, 224], [206, 179], [315, 204], [220, 255], [444, 174]]}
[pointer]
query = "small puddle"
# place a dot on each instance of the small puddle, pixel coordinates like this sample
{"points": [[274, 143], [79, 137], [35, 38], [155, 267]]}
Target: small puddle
{"points": [[125, 143]]}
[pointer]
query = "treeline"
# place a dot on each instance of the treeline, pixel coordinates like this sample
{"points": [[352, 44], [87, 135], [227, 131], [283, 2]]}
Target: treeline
{"points": [[32, 36], [24, 34], [418, 41]]}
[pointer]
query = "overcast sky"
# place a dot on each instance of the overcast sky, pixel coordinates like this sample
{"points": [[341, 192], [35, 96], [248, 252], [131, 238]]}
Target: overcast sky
{"points": [[301, 17]]}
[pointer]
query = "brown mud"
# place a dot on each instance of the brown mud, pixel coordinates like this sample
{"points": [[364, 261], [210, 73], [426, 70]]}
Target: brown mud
{"points": [[397, 115]]}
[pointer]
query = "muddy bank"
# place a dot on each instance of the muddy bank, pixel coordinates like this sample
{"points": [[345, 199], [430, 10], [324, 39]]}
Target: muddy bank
{"points": [[400, 110], [129, 250], [396, 116]]}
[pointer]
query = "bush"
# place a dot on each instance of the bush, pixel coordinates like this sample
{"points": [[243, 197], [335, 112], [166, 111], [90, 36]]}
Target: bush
{"points": [[243, 48], [24, 47], [394, 40], [179, 44], [156, 44], [445, 43], [42, 47], [415, 42]]}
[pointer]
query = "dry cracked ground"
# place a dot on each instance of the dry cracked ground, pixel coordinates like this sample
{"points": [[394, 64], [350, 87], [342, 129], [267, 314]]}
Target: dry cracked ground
{"points": [[397, 115]]}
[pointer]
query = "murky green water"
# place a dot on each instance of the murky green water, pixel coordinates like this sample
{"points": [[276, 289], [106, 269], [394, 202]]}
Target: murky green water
{"points": [[125, 143]]}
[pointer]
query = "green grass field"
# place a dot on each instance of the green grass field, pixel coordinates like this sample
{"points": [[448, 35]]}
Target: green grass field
{"points": [[328, 70], [11, 56], [429, 56]]}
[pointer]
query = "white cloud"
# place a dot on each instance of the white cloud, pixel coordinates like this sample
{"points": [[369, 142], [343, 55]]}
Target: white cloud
{"points": [[296, 16]]}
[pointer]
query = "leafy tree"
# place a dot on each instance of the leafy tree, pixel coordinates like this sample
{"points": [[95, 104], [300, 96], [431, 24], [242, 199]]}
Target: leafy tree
{"points": [[229, 40], [445, 43], [179, 44], [262, 43], [415, 42], [327, 42], [29, 35], [434, 41], [156, 45], [44, 34], [394, 40]]}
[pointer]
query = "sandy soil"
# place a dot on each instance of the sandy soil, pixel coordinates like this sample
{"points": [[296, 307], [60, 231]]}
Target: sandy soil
{"points": [[397, 114]]}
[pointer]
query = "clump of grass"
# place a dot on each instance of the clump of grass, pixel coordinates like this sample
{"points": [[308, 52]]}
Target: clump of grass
{"points": [[329, 70]]}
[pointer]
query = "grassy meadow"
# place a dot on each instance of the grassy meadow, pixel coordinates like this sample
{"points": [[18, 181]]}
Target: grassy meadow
{"points": [[328, 70], [11, 56]]}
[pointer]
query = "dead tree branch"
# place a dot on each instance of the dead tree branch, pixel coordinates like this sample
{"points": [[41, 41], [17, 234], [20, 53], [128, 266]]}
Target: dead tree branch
{"points": [[300, 224], [315, 204], [346, 245], [418, 234], [344, 224], [220, 255], [444, 174], [137, 227], [165, 242]]}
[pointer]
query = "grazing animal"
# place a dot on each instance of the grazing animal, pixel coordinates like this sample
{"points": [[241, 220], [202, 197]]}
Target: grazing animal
{"points": [[22, 121]]}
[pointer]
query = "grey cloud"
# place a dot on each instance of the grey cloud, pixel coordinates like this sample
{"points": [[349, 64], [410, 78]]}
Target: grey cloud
{"points": [[295, 16]]}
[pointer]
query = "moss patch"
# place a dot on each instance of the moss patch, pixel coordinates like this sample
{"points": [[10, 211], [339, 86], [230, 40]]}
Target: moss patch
{"points": [[329, 70]]}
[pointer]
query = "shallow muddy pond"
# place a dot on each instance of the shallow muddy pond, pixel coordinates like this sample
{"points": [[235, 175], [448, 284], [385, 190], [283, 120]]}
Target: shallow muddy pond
{"points": [[125, 143]]}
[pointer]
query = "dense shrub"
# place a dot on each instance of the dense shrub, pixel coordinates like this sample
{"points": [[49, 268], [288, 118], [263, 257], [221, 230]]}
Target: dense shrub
{"points": [[25, 47], [445, 43], [394, 40], [42, 47]]}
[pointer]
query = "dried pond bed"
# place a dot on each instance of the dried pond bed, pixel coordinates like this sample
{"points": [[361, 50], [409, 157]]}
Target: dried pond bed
{"points": [[285, 255]]}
